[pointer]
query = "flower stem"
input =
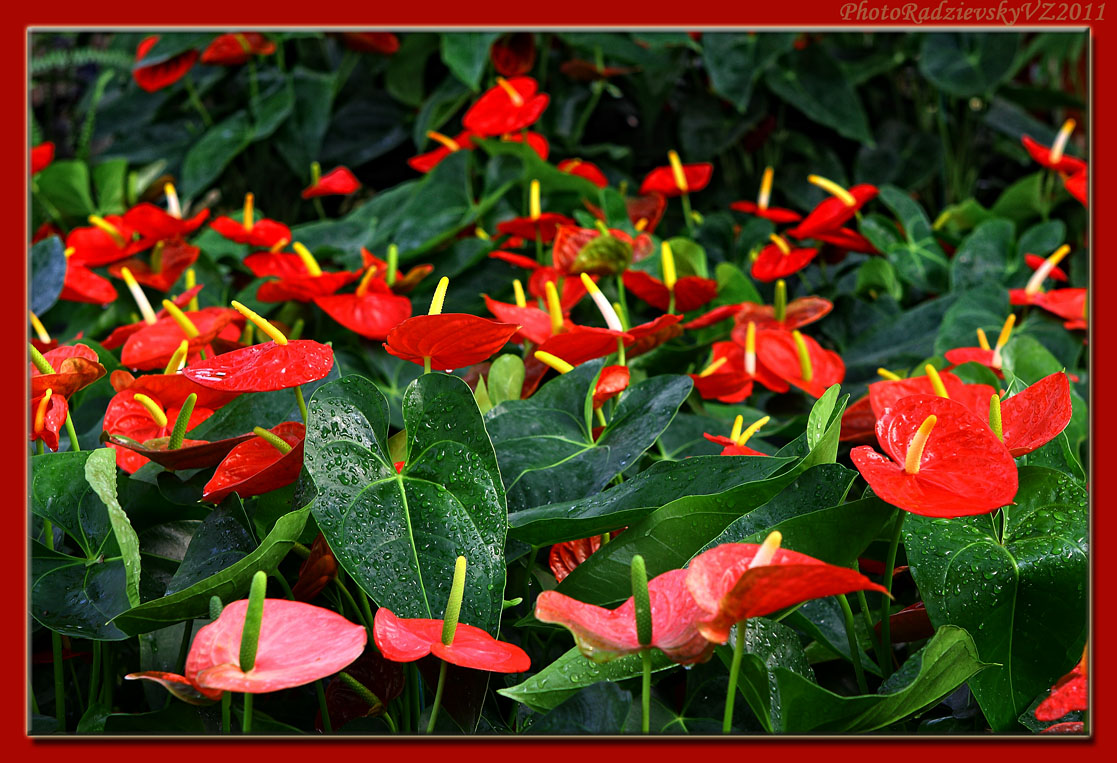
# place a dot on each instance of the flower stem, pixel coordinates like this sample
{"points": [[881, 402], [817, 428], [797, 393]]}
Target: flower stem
{"points": [[426, 364], [327, 726], [437, 697], [56, 650], [302, 403], [226, 711], [688, 214], [734, 671], [72, 434], [867, 615], [889, 565], [646, 691], [246, 719], [854, 649], [195, 101]]}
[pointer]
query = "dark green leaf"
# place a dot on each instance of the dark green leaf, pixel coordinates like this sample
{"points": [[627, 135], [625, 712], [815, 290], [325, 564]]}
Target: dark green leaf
{"points": [[207, 158], [811, 81], [736, 61], [466, 53], [984, 256], [967, 63]]}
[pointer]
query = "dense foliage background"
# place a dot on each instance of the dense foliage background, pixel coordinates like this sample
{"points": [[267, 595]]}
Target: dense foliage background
{"points": [[934, 120]]}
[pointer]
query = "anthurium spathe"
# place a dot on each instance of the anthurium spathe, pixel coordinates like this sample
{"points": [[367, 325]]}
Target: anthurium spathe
{"points": [[735, 581], [298, 643], [236, 48], [513, 54], [409, 639], [169, 260], [264, 367], [536, 141], [690, 292], [606, 634], [832, 213], [152, 345], [447, 340], [538, 226], [599, 251], [299, 275], [799, 360], [1078, 186], [75, 367], [1070, 693], [48, 416], [511, 105], [83, 285], [779, 259], [990, 357], [249, 230], [760, 207], [583, 169], [371, 311], [570, 289], [1054, 157], [156, 76], [1036, 415], [883, 395], [318, 570], [155, 224], [121, 333], [730, 374], [535, 324], [677, 178], [945, 461], [271, 460], [428, 161], [41, 157], [736, 444], [339, 181], [107, 240], [564, 557]]}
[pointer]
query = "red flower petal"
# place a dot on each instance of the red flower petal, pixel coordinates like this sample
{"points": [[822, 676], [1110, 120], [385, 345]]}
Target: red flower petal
{"points": [[964, 470], [83, 285], [1077, 185], [193, 454], [1069, 304], [1067, 695], [431, 159], [730, 446], [450, 340], [338, 181], [407, 640], [256, 466], [372, 314], [299, 643], [584, 169], [537, 142], [179, 686], [41, 156], [1035, 262], [612, 381], [495, 112], [1067, 165], [662, 179], [176, 257], [564, 557], [910, 624], [94, 247], [583, 343], [799, 312], [265, 233], [859, 423], [156, 224], [777, 351], [513, 54], [604, 634], [648, 336], [384, 43], [152, 77], [152, 346], [535, 324], [832, 213], [316, 572], [691, 292], [264, 367], [1035, 416], [727, 591], [544, 227], [235, 49], [775, 214], [121, 333], [850, 240], [53, 419], [772, 263], [886, 394]]}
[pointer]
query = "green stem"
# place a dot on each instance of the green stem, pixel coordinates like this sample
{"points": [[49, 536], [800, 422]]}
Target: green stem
{"points": [[620, 352], [195, 101], [688, 214], [184, 645], [40, 448], [596, 89], [867, 615], [302, 403], [625, 322], [646, 691], [246, 719], [734, 670], [72, 434], [327, 726], [59, 680], [94, 676], [426, 364], [671, 302], [226, 711], [352, 603], [319, 209], [889, 565], [854, 649], [437, 697], [413, 695]]}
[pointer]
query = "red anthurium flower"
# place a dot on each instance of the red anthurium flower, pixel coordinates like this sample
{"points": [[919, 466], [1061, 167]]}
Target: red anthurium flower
{"points": [[1078, 185], [859, 423], [152, 77], [409, 639], [735, 581], [884, 395], [583, 343], [691, 292], [383, 678], [510, 106], [612, 381], [317, 571], [564, 557], [264, 367], [832, 214], [48, 416], [371, 313], [569, 242], [449, 340], [990, 357], [337, 182], [584, 169], [300, 277], [83, 285], [1053, 157], [799, 360], [428, 161], [760, 207], [1069, 304], [155, 224], [259, 466], [152, 345], [513, 54], [644, 212], [192, 454], [677, 178], [946, 462], [75, 367], [109, 239], [236, 48], [797, 313], [41, 156], [169, 261], [570, 290], [254, 232], [779, 259], [648, 336], [143, 421], [847, 239], [606, 634], [299, 643], [537, 142], [535, 324], [45, 231], [1035, 262], [910, 624], [1069, 693], [121, 333], [588, 71], [730, 374], [1034, 416], [404, 282], [735, 443], [384, 43], [538, 225]]}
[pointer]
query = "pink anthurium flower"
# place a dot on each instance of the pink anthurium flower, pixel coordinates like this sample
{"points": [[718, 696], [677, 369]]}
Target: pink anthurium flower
{"points": [[606, 634], [409, 639]]}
